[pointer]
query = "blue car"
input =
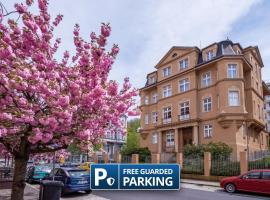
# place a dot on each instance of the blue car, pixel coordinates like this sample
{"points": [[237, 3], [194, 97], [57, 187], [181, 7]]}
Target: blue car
{"points": [[37, 173], [73, 178]]}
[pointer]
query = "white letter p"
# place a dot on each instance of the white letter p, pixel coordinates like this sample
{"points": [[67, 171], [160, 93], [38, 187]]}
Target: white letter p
{"points": [[99, 177]]}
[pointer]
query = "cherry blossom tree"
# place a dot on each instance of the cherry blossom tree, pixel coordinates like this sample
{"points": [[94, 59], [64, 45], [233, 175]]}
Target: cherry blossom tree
{"points": [[48, 103]]}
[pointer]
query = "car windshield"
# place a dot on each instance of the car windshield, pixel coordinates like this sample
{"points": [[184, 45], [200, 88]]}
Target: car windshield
{"points": [[77, 173], [43, 168]]}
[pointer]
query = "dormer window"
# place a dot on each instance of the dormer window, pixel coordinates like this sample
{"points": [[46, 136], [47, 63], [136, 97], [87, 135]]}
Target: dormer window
{"points": [[183, 64], [209, 55], [151, 79], [167, 71]]}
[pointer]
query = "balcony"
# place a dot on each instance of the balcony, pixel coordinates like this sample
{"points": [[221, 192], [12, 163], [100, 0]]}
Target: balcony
{"points": [[167, 121], [184, 117]]}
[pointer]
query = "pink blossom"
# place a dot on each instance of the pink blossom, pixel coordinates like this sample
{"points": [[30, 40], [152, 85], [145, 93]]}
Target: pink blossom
{"points": [[20, 8], [105, 30]]}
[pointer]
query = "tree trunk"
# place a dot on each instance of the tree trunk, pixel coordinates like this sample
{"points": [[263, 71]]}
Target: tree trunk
{"points": [[18, 184]]}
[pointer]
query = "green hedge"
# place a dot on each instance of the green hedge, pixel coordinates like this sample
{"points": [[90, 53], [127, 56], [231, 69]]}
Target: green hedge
{"points": [[218, 149], [144, 154]]}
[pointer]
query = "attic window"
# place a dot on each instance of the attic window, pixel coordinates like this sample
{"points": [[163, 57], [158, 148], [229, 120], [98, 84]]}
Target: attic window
{"points": [[175, 54]]}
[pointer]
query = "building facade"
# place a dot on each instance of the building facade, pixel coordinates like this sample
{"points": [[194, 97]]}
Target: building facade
{"points": [[267, 108], [114, 141], [198, 96]]}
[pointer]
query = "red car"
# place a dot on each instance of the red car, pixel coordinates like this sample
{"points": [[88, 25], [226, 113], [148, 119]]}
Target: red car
{"points": [[252, 181]]}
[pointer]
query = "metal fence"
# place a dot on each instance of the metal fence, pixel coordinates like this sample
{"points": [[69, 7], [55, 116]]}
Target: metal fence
{"points": [[225, 166], [126, 159], [193, 165], [168, 157], [6, 177], [259, 160], [145, 159]]}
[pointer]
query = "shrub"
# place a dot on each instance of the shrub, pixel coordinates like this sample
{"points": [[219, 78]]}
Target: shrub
{"points": [[216, 149], [144, 153]]}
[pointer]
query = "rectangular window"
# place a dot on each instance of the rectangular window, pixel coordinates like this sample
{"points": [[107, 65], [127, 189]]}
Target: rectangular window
{"points": [[146, 101], [167, 115], [154, 117], [233, 98], [170, 138], [232, 71], [184, 110], [154, 138], [154, 98], [206, 79], [209, 55], [207, 131], [167, 71], [207, 104], [146, 119], [183, 64], [167, 91], [266, 175], [184, 85], [151, 80]]}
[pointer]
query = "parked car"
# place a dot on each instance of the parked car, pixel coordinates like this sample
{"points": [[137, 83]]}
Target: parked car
{"points": [[36, 173], [74, 179], [253, 181], [86, 165]]}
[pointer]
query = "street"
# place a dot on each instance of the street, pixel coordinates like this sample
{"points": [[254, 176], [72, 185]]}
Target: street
{"points": [[187, 192]]}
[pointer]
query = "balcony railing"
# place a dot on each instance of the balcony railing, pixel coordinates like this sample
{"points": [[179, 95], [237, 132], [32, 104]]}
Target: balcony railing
{"points": [[184, 117], [167, 120]]}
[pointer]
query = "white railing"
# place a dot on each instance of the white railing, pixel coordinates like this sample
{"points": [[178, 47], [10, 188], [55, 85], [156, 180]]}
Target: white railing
{"points": [[166, 121], [184, 117]]}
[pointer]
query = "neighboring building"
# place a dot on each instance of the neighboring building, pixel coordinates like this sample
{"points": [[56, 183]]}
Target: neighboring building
{"points": [[267, 107], [197, 96], [113, 141]]}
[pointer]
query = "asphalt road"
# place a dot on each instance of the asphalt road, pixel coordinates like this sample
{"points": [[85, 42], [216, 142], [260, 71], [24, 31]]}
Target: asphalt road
{"points": [[186, 193]]}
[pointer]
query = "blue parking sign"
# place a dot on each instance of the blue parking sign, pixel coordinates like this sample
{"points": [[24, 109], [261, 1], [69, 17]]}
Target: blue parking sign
{"points": [[135, 177], [104, 177]]}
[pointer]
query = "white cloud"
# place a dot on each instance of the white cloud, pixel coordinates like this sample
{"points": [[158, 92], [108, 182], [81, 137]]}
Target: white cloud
{"points": [[145, 30]]}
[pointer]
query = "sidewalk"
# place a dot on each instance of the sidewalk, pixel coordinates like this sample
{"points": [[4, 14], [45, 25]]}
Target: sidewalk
{"points": [[199, 182], [29, 193]]}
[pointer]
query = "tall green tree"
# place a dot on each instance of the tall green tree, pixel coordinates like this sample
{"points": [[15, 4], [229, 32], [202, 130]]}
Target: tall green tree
{"points": [[132, 135]]}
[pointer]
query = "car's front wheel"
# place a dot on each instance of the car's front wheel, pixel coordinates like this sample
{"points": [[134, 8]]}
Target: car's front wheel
{"points": [[88, 191], [230, 187]]}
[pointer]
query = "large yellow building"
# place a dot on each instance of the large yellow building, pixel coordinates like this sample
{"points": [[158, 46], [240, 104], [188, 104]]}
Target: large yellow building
{"points": [[197, 96]]}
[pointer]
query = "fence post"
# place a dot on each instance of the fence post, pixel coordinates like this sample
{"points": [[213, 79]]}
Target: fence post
{"points": [[135, 158], [243, 162], [155, 158], [207, 163], [117, 157], [105, 157], [179, 158], [95, 158]]}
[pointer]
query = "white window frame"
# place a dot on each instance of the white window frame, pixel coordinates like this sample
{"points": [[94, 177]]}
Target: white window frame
{"points": [[146, 100], [154, 138], [154, 117], [184, 110], [167, 71], [233, 101], [207, 104], [183, 64], [209, 55], [146, 119], [184, 85], [154, 97], [208, 131], [167, 114], [232, 71], [167, 91], [170, 138], [151, 79], [206, 79]]}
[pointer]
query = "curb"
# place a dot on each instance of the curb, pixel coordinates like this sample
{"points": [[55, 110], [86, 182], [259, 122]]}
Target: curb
{"points": [[201, 184]]}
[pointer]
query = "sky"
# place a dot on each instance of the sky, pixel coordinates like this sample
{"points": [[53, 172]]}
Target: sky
{"points": [[146, 29]]}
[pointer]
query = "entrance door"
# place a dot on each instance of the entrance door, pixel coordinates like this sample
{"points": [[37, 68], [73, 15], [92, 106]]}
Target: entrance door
{"points": [[187, 135]]}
